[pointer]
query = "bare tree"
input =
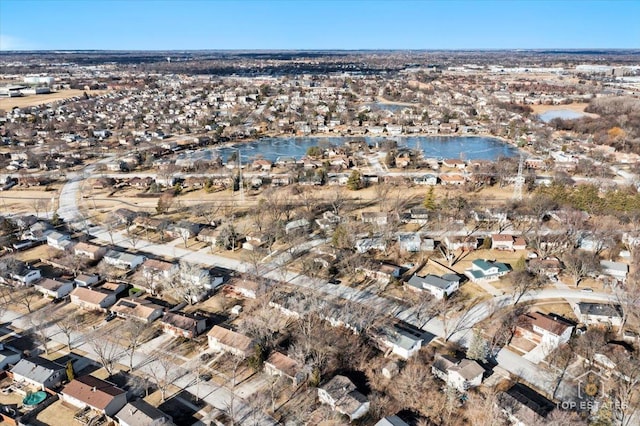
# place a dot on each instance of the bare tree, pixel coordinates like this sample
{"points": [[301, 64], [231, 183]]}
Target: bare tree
{"points": [[525, 282], [134, 334], [189, 283], [163, 370], [26, 297], [106, 349], [40, 326], [579, 264], [69, 324]]}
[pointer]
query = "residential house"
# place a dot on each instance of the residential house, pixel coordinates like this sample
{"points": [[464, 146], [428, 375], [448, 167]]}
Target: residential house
{"points": [[599, 314], [401, 339], [616, 270], [427, 179], [454, 243], [208, 235], [549, 266], [90, 251], [451, 179], [507, 242], [225, 340], [37, 232], [123, 260], [254, 241], [39, 372], [86, 280], [461, 375], [278, 364], [342, 396], [548, 330], [409, 241], [382, 272], [93, 299], [141, 413], [523, 405], [137, 308], [376, 218], [54, 288], [249, 289], [391, 421], [363, 245], [97, 394], [58, 240], [181, 324], [8, 356], [155, 271], [25, 275], [124, 216], [296, 225], [183, 229], [454, 163], [486, 270], [439, 287]]}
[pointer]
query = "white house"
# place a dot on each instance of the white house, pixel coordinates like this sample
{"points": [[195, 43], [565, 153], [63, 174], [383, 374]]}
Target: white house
{"points": [[401, 340], [617, 270], [58, 240], [548, 330], [123, 260], [427, 179], [54, 288], [295, 225], [599, 314], [342, 396], [38, 372], [486, 270], [90, 251], [439, 287], [27, 276], [461, 375]]}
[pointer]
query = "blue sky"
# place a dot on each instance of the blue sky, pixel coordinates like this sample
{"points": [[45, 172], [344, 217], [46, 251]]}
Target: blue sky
{"points": [[319, 24]]}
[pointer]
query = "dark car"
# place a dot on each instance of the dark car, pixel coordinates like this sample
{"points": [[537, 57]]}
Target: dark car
{"points": [[110, 316], [334, 281], [204, 377]]}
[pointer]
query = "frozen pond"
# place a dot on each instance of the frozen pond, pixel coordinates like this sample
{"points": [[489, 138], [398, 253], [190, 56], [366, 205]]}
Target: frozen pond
{"points": [[565, 114], [468, 148]]}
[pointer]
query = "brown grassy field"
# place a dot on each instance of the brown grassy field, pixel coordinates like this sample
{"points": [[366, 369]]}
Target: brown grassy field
{"points": [[33, 100], [577, 107]]}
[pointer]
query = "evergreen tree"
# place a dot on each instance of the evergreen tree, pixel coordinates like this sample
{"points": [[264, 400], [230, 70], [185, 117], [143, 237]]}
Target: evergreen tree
{"points": [[429, 202], [478, 348], [355, 181]]}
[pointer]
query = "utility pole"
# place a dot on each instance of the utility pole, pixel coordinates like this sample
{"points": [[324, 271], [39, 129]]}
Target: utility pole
{"points": [[519, 181]]}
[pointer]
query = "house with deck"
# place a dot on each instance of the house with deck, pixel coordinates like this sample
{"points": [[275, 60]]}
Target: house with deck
{"points": [[96, 394]]}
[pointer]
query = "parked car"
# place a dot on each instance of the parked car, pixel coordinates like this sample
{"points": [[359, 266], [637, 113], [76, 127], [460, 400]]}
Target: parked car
{"points": [[110, 316]]}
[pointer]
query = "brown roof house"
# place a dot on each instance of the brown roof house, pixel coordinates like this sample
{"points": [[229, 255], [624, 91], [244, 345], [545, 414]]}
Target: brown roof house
{"points": [[97, 394], [548, 330], [182, 324], [90, 251], [225, 340], [93, 299], [136, 308], [341, 394], [278, 364]]}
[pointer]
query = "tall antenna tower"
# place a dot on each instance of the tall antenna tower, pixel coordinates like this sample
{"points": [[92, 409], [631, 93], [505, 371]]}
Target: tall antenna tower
{"points": [[519, 182]]}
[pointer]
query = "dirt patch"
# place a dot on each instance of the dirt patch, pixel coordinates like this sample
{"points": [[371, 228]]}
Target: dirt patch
{"points": [[34, 100]]}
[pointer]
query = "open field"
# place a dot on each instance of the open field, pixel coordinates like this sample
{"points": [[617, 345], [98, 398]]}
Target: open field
{"points": [[577, 107], [33, 100]]}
